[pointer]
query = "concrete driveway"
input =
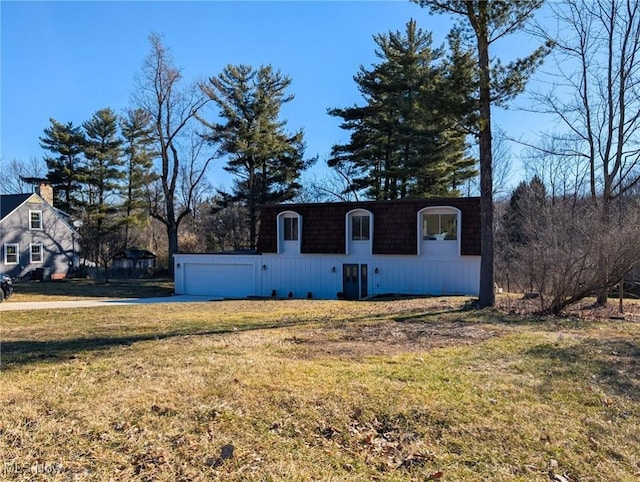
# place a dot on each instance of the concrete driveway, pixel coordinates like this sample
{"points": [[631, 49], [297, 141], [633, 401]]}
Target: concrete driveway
{"points": [[89, 303]]}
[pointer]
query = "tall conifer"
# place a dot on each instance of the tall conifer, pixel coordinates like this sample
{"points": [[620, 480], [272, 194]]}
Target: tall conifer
{"points": [[483, 23], [103, 152], [139, 173], [66, 143], [403, 141], [101, 232], [266, 160]]}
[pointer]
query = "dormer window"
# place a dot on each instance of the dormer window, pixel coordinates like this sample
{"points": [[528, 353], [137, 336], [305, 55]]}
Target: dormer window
{"points": [[290, 228], [439, 227], [439, 231], [35, 220], [289, 232], [359, 231], [360, 227]]}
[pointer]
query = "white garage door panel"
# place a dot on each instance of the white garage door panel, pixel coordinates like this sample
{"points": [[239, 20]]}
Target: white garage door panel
{"points": [[225, 280]]}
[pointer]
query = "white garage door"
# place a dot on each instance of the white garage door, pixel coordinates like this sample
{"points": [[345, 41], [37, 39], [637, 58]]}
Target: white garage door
{"points": [[223, 280]]}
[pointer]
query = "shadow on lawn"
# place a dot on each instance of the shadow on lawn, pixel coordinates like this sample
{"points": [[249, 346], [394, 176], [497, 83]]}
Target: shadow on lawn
{"points": [[23, 352], [30, 290], [613, 363]]}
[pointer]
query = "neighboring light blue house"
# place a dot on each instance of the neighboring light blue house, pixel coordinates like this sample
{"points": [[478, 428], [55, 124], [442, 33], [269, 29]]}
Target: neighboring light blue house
{"points": [[36, 238]]}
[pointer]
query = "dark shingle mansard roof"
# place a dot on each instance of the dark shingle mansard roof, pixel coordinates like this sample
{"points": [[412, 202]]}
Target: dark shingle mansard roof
{"points": [[395, 225]]}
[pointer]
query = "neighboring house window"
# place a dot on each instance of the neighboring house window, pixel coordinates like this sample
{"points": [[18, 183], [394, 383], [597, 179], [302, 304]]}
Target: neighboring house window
{"points": [[35, 220], [360, 224], [290, 229], [439, 227], [36, 252], [11, 253]]}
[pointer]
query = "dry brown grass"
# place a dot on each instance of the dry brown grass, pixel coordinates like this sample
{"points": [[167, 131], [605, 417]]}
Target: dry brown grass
{"points": [[418, 389]]}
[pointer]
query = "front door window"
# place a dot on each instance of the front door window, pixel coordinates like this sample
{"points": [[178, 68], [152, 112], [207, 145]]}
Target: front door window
{"points": [[355, 281]]}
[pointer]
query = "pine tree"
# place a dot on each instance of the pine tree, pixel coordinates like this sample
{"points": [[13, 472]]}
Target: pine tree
{"points": [[103, 153], [139, 174], [403, 141], [482, 23], [527, 201], [266, 160], [66, 142], [102, 228]]}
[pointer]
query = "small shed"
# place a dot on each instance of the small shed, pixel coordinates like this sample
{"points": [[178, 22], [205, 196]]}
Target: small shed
{"points": [[134, 262]]}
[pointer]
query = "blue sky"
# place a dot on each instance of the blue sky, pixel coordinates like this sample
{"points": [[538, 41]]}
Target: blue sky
{"points": [[67, 60]]}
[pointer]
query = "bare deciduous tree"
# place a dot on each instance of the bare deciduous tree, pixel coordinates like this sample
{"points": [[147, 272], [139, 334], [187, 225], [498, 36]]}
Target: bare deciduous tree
{"points": [[502, 168], [560, 258], [173, 111], [101, 247], [564, 176], [15, 171], [595, 94], [336, 184], [595, 98]]}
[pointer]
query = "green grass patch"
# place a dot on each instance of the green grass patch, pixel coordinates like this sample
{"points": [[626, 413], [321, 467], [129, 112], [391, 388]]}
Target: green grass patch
{"points": [[317, 390], [78, 288]]}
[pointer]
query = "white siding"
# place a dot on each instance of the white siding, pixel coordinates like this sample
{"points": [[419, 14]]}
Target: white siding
{"points": [[359, 247], [459, 276], [217, 276], [260, 275], [439, 248], [302, 275]]}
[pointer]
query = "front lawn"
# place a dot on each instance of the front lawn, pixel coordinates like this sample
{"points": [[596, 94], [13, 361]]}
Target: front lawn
{"points": [[417, 389], [80, 288]]}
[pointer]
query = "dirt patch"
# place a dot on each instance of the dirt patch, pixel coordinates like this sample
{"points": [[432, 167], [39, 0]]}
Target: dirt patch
{"points": [[385, 339]]}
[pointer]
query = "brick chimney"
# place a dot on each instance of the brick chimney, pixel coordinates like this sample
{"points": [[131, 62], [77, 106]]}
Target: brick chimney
{"points": [[46, 192]]}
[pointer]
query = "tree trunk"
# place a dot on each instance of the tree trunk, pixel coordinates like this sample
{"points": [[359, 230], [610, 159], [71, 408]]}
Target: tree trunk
{"points": [[251, 204], [602, 298], [487, 295], [172, 238], [621, 297]]}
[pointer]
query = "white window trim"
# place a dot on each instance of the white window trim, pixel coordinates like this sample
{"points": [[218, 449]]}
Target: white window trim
{"points": [[440, 210], [280, 230], [348, 226], [17, 246], [31, 253], [41, 222]]}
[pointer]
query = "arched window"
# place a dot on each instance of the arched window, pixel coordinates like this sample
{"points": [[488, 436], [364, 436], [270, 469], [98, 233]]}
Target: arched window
{"points": [[359, 231], [289, 232], [439, 231]]}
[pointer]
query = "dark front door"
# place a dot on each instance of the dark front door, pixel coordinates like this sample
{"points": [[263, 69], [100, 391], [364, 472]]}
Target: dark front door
{"points": [[354, 281], [363, 281]]}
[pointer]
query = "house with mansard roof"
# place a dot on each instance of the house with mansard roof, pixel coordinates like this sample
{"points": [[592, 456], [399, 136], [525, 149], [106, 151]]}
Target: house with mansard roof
{"points": [[350, 250]]}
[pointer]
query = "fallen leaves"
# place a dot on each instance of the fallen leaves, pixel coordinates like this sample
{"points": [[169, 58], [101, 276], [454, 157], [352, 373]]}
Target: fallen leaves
{"points": [[226, 453], [554, 476], [391, 446]]}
